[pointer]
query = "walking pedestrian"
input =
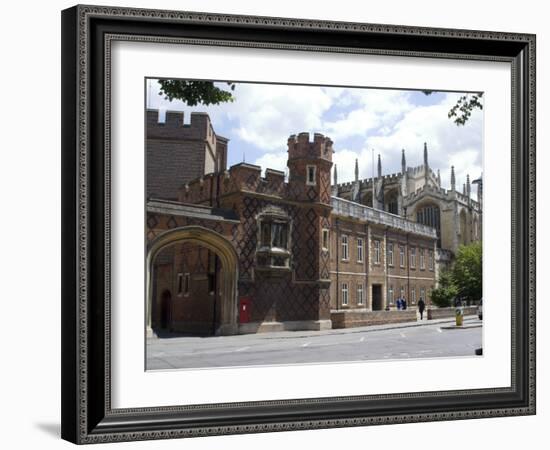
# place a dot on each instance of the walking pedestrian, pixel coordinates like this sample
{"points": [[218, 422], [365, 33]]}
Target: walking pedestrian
{"points": [[421, 306]]}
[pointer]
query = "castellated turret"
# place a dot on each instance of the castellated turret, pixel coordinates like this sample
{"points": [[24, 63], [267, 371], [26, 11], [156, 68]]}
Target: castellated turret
{"points": [[300, 146], [309, 164], [178, 153]]}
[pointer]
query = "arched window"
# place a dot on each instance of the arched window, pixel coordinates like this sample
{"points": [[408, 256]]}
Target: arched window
{"points": [[430, 215], [391, 202], [463, 228]]}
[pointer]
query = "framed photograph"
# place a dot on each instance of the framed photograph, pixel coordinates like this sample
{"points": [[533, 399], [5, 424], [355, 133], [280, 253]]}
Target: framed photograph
{"points": [[280, 224]]}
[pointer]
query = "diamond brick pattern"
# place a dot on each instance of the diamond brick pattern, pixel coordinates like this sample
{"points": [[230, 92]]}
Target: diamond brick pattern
{"points": [[282, 296]]}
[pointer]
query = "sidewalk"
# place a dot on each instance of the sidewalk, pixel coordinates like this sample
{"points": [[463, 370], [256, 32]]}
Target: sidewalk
{"points": [[366, 329], [469, 322]]}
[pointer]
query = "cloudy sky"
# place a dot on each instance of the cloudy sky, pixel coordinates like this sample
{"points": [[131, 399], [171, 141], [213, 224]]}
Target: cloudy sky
{"points": [[358, 120]]}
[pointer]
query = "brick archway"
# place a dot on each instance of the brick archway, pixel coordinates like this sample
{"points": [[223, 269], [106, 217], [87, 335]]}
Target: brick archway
{"points": [[229, 273]]}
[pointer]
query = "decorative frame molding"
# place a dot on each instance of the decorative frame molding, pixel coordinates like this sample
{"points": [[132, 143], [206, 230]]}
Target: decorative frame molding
{"points": [[87, 34]]}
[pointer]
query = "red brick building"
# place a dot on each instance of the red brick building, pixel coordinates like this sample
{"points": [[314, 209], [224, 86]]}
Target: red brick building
{"points": [[235, 252]]}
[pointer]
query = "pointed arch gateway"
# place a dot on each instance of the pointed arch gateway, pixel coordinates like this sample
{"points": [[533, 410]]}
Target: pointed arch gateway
{"points": [[228, 273]]}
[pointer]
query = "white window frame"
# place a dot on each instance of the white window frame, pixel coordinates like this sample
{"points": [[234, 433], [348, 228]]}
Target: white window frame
{"points": [[360, 249], [344, 242], [390, 295], [308, 168], [360, 294], [413, 296], [390, 253], [431, 260], [376, 257], [422, 262], [423, 294], [402, 258], [345, 294], [412, 258], [402, 292]]}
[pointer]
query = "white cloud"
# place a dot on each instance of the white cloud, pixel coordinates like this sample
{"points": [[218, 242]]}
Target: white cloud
{"points": [[268, 114], [373, 109], [275, 161], [448, 144], [360, 120]]}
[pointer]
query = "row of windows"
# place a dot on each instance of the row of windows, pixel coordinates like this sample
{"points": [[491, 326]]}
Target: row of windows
{"points": [[376, 252], [401, 294], [345, 248], [359, 291], [184, 283], [360, 294]]}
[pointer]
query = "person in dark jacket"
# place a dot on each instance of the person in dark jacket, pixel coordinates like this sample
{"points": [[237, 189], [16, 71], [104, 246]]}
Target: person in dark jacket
{"points": [[421, 306]]}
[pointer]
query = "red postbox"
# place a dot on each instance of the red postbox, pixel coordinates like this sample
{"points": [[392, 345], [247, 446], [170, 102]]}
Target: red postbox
{"points": [[244, 310]]}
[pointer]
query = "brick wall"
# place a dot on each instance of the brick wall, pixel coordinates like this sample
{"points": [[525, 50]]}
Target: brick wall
{"points": [[347, 319], [178, 153], [443, 313]]}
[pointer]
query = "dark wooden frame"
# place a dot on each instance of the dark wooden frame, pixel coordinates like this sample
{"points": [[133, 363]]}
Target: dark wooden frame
{"points": [[87, 416]]}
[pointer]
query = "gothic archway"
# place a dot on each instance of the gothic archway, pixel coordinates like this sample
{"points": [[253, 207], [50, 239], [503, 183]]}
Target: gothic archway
{"points": [[463, 219], [428, 213], [227, 255], [391, 201]]}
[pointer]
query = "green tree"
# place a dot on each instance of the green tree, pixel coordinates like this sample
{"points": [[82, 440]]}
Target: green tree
{"points": [[467, 273], [464, 106], [195, 92], [446, 291]]}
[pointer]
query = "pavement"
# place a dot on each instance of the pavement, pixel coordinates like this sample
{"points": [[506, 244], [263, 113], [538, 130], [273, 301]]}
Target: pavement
{"points": [[420, 339]]}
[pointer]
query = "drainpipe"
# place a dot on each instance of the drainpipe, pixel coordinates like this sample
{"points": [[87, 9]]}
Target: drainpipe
{"points": [[337, 264], [408, 262], [386, 262], [366, 258]]}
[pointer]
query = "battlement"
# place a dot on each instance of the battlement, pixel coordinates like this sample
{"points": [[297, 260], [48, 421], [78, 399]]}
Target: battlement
{"points": [[300, 146], [447, 194], [173, 127], [239, 177], [367, 182]]}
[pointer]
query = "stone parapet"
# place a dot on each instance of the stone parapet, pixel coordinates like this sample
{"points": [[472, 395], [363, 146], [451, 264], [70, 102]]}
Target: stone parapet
{"points": [[444, 313], [348, 208], [349, 319]]}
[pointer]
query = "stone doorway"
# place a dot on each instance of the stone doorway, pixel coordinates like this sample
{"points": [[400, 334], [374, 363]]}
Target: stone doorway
{"points": [[377, 297], [216, 281]]}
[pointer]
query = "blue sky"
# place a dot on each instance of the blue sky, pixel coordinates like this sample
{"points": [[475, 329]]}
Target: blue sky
{"points": [[358, 120]]}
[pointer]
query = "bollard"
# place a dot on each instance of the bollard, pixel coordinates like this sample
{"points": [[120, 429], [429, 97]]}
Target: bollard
{"points": [[459, 315]]}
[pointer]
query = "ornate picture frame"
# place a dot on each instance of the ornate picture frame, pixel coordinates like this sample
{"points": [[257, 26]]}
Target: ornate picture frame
{"points": [[88, 33]]}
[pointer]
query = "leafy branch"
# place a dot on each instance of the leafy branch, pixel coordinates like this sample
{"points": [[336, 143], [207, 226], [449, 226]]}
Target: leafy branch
{"points": [[464, 107], [195, 92]]}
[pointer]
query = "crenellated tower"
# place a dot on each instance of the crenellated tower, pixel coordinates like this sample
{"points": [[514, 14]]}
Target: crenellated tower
{"points": [[309, 164], [178, 152]]}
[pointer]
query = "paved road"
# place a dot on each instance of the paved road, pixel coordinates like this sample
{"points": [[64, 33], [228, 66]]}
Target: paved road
{"points": [[430, 340]]}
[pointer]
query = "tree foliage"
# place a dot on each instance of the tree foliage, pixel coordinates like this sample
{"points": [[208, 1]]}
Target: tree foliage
{"points": [[444, 294], [467, 273], [194, 92], [464, 107], [463, 279]]}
